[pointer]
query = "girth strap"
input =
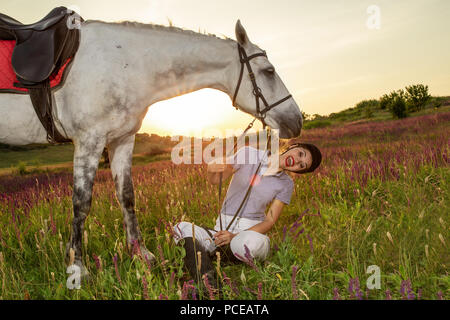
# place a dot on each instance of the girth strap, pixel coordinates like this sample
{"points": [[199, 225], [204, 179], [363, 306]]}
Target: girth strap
{"points": [[41, 98]]}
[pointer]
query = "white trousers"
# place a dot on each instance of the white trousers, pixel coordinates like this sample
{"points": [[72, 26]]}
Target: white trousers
{"points": [[257, 243]]}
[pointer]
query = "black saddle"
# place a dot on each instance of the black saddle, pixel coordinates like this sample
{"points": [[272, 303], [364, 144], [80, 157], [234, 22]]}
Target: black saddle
{"points": [[38, 45], [41, 49]]}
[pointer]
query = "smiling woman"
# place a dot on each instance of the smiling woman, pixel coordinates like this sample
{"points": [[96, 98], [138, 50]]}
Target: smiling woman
{"points": [[205, 112]]}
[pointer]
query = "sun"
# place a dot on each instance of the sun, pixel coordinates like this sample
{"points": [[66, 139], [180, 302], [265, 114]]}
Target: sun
{"points": [[203, 113]]}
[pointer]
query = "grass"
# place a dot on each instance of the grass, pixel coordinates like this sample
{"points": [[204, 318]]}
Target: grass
{"points": [[380, 197], [41, 158], [35, 155]]}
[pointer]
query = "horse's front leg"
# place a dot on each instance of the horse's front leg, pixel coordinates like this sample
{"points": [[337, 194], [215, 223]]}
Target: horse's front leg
{"points": [[85, 163], [120, 154]]}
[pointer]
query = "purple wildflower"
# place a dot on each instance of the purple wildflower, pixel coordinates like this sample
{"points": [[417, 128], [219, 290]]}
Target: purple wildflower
{"points": [[336, 295], [208, 287], [145, 288], [230, 283], [136, 249], [354, 289], [97, 261], [161, 254], [117, 268], [310, 243], [284, 233], [248, 261], [194, 295], [149, 264], [439, 295], [184, 291], [350, 287], [388, 295], [299, 233], [259, 297], [406, 290], [293, 284]]}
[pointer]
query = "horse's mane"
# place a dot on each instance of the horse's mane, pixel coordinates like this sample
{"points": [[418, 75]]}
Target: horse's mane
{"points": [[171, 28]]}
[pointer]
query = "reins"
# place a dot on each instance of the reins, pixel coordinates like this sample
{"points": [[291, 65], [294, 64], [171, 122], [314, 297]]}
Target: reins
{"points": [[250, 125], [260, 115]]}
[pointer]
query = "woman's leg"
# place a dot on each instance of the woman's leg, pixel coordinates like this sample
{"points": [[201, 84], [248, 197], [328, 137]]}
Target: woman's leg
{"points": [[197, 259], [258, 245], [185, 230]]}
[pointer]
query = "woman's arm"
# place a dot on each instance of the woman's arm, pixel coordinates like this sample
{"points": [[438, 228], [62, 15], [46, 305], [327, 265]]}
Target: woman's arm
{"points": [[224, 237], [271, 217]]}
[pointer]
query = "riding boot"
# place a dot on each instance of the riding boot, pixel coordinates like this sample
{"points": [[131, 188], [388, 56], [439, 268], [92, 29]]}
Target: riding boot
{"points": [[206, 265]]}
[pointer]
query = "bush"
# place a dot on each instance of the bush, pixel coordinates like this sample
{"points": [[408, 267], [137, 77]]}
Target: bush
{"points": [[384, 102], [154, 150], [417, 97], [366, 104], [398, 107], [316, 124], [395, 102], [21, 168]]}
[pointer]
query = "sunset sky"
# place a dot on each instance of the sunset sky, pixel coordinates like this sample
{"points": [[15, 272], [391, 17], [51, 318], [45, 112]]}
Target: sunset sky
{"points": [[323, 50]]}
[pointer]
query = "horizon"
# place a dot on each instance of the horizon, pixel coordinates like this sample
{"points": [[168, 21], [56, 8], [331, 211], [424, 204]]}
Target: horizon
{"points": [[330, 56]]}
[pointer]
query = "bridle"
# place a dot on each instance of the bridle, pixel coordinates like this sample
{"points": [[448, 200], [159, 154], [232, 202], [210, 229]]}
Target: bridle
{"points": [[245, 61]]}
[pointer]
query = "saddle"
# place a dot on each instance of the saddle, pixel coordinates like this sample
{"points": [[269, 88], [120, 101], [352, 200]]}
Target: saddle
{"points": [[40, 51]]}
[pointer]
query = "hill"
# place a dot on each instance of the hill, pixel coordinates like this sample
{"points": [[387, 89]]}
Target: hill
{"points": [[370, 110]]}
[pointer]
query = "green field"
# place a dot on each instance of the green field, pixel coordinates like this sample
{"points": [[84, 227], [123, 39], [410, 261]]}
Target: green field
{"points": [[35, 158], [380, 197]]}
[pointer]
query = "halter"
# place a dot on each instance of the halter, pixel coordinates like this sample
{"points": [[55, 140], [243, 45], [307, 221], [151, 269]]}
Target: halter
{"points": [[245, 60]]}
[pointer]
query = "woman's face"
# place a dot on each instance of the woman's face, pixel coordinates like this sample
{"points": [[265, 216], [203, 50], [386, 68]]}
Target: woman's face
{"points": [[296, 159]]}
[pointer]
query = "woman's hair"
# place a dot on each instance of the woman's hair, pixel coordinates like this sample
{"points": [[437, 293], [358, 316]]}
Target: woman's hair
{"points": [[315, 154]]}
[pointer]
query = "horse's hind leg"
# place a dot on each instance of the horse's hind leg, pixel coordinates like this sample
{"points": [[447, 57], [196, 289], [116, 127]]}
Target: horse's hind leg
{"points": [[120, 154], [86, 157]]}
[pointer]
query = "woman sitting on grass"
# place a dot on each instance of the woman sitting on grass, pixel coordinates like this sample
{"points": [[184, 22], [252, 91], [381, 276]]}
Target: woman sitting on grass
{"points": [[245, 238]]}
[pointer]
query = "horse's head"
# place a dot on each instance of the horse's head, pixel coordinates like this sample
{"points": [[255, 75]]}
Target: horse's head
{"points": [[276, 107]]}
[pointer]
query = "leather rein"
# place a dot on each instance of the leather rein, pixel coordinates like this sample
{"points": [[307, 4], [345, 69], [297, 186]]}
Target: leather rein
{"points": [[260, 115]]}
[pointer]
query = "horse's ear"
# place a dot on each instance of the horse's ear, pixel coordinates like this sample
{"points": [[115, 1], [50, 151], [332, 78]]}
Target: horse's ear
{"points": [[241, 35]]}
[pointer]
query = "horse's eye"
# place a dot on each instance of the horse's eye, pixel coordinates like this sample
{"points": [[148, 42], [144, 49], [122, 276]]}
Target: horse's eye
{"points": [[269, 71]]}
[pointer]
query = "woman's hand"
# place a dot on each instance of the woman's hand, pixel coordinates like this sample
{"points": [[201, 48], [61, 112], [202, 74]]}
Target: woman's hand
{"points": [[216, 167], [223, 238], [216, 170]]}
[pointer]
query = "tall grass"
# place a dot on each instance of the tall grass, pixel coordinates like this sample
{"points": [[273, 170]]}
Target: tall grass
{"points": [[380, 197]]}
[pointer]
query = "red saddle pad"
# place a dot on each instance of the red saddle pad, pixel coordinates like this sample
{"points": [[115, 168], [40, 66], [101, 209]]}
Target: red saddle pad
{"points": [[8, 76]]}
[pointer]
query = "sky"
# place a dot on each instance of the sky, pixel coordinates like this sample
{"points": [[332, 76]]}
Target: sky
{"points": [[330, 54]]}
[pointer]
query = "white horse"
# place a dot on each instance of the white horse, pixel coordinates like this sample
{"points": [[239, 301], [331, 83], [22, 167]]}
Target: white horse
{"points": [[120, 70]]}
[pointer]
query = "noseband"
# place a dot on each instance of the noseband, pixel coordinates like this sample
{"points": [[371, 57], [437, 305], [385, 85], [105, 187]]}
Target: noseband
{"points": [[245, 60]]}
